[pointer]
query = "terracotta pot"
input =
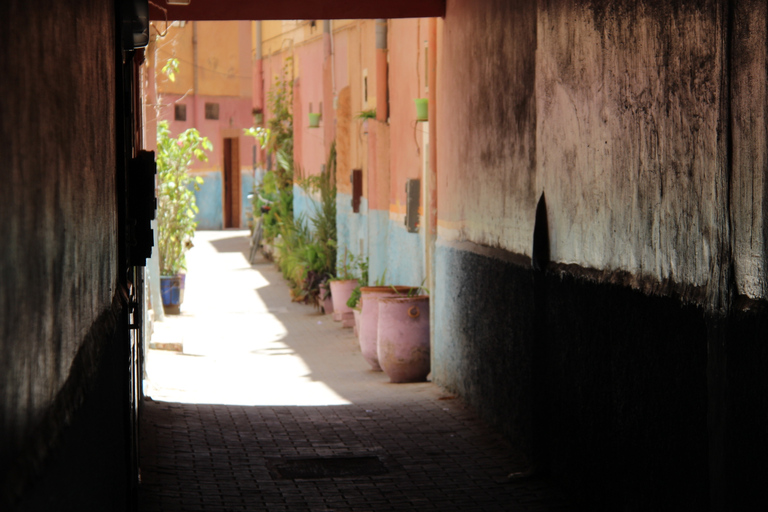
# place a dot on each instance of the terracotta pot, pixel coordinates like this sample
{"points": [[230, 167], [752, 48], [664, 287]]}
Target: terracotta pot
{"points": [[340, 293], [403, 341], [369, 318]]}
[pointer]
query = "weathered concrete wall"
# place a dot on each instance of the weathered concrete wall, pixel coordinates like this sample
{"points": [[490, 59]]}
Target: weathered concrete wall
{"points": [[636, 357], [58, 306], [487, 132], [629, 145], [749, 171]]}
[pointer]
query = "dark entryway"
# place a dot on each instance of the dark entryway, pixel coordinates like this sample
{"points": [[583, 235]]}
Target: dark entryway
{"points": [[232, 182]]}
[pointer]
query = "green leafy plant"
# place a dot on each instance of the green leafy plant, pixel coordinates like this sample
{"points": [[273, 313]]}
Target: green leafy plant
{"points": [[176, 207], [345, 269], [171, 68], [366, 114], [414, 291], [362, 267]]}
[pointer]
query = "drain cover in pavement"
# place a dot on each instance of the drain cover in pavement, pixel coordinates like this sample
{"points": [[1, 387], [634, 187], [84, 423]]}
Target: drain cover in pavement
{"points": [[325, 467]]}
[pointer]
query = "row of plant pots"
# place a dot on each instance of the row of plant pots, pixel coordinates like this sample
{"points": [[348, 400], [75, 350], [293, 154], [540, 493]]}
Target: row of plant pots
{"points": [[392, 324]]}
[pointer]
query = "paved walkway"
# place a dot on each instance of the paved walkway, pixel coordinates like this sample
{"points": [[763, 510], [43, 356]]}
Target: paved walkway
{"points": [[271, 407]]}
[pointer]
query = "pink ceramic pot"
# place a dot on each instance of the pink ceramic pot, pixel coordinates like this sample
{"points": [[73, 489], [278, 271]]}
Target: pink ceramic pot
{"points": [[340, 293], [369, 318], [356, 312], [403, 341], [328, 304]]}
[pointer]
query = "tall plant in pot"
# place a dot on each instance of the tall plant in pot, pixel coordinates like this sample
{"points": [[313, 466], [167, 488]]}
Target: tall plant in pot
{"points": [[176, 207], [341, 289]]}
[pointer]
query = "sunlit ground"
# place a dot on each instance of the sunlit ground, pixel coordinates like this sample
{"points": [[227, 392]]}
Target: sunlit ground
{"points": [[242, 337]]}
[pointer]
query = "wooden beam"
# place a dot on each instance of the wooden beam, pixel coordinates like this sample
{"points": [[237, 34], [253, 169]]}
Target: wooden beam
{"points": [[295, 9]]}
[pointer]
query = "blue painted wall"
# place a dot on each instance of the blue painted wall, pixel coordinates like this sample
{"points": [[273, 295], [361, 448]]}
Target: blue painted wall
{"points": [[247, 181], [303, 204], [209, 201], [386, 242]]}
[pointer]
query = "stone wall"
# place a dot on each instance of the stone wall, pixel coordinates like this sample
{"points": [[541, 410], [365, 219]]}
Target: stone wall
{"points": [[630, 366], [58, 300]]}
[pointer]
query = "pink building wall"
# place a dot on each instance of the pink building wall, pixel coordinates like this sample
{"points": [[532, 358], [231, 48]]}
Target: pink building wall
{"points": [[234, 116]]}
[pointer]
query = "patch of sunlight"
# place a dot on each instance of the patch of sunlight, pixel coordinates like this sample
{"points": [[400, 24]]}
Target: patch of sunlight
{"points": [[234, 358]]}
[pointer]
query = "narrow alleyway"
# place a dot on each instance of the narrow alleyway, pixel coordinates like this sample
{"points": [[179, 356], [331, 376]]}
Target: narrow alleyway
{"points": [[270, 406]]}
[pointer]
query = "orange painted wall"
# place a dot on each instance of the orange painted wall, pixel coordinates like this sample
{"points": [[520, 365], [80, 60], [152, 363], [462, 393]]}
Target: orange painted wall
{"points": [[224, 76], [406, 82]]}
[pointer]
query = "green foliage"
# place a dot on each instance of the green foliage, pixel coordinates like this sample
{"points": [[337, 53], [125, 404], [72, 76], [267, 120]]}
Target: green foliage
{"points": [[176, 207], [277, 138], [346, 268], [362, 266], [171, 68], [306, 257], [366, 114]]}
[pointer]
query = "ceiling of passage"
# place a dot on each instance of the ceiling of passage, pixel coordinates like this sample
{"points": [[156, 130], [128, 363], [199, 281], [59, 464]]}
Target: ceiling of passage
{"points": [[295, 9]]}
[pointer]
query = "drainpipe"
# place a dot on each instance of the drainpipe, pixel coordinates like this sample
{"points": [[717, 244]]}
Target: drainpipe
{"points": [[194, 74], [329, 87], [257, 100], [430, 213], [258, 72], [382, 94]]}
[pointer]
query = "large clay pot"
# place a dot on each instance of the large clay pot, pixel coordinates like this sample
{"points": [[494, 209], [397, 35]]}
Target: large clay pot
{"points": [[340, 293], [369, 318], [403, 341], [356, 312]]}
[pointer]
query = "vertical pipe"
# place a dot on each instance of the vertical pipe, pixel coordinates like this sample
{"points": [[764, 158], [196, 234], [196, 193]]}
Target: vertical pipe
{"points": [[194, 74], [258, 71], [432, 94], [382, 94], [430, 213], [328, 86]]}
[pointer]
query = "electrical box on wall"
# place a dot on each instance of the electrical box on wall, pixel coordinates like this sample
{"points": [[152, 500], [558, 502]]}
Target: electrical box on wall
{"points": [[412, 196], [141, 207], [135, 23]]}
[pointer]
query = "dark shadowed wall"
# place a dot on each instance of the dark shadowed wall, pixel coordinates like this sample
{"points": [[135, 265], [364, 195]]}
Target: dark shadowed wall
{"points": [[61, 420], [631, 366]]}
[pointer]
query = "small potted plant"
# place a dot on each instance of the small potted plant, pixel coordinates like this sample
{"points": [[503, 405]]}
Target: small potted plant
{"points": [[341, 289], [422, 109], [176, 207], [354, 299]]}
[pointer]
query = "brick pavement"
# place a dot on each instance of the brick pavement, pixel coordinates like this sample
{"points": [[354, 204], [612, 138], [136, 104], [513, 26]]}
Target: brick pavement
{"points": [[307, 393]]}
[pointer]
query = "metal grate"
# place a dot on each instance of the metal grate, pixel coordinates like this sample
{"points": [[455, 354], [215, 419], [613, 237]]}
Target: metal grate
{"points": [[324, 467]]}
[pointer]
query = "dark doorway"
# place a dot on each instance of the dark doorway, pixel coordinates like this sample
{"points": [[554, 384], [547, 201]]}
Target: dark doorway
{"points": [[232, 186]]}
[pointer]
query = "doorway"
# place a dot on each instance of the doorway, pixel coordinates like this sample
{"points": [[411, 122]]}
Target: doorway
{"points": [[231, 185]]}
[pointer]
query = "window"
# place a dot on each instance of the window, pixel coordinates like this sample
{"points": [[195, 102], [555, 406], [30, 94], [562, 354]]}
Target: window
{"points": [[212, 111], [180, 112]]}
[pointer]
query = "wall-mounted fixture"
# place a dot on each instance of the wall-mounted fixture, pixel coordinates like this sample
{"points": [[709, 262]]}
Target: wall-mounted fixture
{"points": [[356, 178], [412, 196], [135, 30], [258, 116], [141, 207], [422, 109]]}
